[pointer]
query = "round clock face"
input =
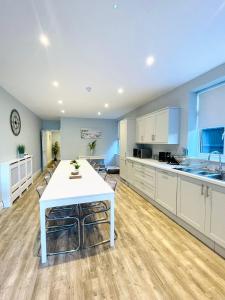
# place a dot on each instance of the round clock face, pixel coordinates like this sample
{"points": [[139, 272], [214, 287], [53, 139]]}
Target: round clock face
{"points": [[15, 122]]}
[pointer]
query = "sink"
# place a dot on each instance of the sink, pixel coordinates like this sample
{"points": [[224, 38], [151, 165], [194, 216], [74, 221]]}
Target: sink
{"points": [[204, 173], [217, 176]]}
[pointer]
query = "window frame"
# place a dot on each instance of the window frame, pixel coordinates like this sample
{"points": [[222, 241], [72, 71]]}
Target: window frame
{"points": [[214, 157]]}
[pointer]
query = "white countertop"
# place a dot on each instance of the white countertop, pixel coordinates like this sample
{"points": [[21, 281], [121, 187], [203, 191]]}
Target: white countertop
{"points": [[167, 167]]}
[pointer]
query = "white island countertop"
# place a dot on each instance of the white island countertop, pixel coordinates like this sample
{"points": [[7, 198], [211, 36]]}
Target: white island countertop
{"points": [[164, 166]]}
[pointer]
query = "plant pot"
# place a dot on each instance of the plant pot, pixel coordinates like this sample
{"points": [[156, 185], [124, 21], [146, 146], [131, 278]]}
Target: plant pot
{"points": [[21, 155]]}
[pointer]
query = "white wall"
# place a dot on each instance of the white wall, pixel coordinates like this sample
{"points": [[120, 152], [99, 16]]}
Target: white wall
{"points": [[30, 131], [184, 97], [72, 145]]}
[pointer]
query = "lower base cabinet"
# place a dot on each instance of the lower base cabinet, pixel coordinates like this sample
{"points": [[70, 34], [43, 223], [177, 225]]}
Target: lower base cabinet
{"points": [[123, 168], [198, 203], [215, 214], [191, 202], [166, 190]]}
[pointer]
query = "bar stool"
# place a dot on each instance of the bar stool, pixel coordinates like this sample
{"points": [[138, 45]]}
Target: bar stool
{"points": [[93, 212]]}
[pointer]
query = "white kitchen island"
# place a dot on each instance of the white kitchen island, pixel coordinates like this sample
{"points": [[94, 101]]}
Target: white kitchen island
{"points": [[63, 191]]}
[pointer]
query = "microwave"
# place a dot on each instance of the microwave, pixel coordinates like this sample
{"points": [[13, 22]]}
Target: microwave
{"points": [[142, 153]]}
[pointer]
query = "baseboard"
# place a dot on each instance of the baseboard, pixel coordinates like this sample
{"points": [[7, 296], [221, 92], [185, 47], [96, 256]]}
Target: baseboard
{"points": [[36, 174]]}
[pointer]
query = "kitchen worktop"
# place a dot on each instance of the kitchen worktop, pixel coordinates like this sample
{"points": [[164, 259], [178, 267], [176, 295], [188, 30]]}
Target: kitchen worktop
{"points": [[167, 167]]}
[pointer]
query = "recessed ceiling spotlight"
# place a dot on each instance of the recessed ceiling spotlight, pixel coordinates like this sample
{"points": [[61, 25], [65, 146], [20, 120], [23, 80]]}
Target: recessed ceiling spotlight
{"points": [[55, 83], [106, 105], [60, 102], [115, 5], [150, 60], [88, 89], [99, 113], [63, 111], [44, 40], [120, 91]]}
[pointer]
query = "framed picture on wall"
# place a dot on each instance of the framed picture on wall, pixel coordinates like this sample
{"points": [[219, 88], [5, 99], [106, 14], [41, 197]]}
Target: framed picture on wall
{"points": [[90, 133]]}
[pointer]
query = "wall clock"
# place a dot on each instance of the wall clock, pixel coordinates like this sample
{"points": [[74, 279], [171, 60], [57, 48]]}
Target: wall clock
{"points": [[15, 122]]}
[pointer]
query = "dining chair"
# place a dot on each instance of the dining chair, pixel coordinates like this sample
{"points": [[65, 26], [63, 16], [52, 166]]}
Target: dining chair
{"points": [[61, 217], [47, 178], [89, 219]]}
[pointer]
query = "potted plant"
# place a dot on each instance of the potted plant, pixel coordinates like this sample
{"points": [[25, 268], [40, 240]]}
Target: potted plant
{"points": [[76, 166], [92, 146], [20, 150], [55, 150]]}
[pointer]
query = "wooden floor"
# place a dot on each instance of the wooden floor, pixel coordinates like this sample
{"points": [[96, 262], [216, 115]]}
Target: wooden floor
{"points": [[153, 259]]}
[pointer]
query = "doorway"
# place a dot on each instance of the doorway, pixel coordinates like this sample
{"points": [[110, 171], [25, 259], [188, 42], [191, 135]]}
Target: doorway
{"points": [[48, 139]]}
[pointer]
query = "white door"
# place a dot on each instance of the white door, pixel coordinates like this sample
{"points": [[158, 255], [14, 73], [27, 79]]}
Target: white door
{"points": [[123, 139], [166, 190], [161, 126], [123, 168], [215, 211], [191, 202]]}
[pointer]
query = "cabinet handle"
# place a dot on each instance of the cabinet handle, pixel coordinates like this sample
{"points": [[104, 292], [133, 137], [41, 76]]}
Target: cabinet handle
{"points": [[202, 190], [153, 137]]}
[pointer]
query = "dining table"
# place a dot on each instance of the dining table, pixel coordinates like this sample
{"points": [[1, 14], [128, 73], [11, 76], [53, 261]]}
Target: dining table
{"points": [[62, 190]]}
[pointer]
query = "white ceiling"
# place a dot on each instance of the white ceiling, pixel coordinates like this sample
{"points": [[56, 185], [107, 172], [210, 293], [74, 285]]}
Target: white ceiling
{"points": [[93, 44]]}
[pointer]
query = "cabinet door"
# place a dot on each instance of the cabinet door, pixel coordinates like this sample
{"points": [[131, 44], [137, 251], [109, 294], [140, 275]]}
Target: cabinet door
{"points": [[149, 129], [130, 172], [166, 190], [123, 169], [191, 202], [140, 130], [123, 138], [215, 220], [161, 126]]}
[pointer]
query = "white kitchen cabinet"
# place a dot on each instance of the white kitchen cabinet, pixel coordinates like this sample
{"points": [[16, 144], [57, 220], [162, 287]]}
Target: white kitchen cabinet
{"points": [[215, 210], [130, 171], [144, 179], [127, 143], [123, 168], [191, 205], [166, 190], [145, 129], [160, 127]]}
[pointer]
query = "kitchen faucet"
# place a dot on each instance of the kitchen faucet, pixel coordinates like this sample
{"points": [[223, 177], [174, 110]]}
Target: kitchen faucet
{"points": [[220, 160]]}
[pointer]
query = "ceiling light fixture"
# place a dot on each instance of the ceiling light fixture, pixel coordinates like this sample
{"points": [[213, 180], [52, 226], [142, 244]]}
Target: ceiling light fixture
{"points": [[150, 60], [63, 111], [44, 40], [55, 83], [99, 113], [106, 105], [60, 102], [120, 91]]}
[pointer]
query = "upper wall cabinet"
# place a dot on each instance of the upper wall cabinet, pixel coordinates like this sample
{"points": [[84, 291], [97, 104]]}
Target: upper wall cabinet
{"points": [[160, 127]]}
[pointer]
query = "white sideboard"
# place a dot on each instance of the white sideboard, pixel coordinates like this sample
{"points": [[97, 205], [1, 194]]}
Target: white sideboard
{"points": [[15, 177]]}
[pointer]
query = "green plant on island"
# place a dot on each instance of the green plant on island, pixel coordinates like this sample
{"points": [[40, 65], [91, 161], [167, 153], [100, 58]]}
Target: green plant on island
{"points": [[73, 162]]}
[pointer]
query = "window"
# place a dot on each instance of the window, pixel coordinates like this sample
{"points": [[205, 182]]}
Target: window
{"points": [[210, 120], [212, 139]]}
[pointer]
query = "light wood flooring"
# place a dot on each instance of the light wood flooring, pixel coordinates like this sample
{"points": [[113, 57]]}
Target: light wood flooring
{"points": [[154, 258]]}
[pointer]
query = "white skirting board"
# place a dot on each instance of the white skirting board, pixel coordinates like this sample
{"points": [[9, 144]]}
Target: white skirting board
{"points": [[36, 174]]}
